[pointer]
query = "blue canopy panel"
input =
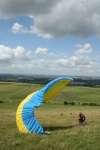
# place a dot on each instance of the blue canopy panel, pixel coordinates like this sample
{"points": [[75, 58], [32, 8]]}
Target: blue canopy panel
{"points": [[30, 121]]}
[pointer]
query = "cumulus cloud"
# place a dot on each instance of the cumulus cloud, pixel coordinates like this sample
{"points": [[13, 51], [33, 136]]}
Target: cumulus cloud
{"points": [[84, 49], [8, 54], [56, 18], [20, 60], [17, 28], [77, 62], [40, 50], [71, 17]]}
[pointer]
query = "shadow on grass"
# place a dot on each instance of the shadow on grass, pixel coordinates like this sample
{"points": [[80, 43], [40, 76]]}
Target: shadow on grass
{"points": [[54, 128]]}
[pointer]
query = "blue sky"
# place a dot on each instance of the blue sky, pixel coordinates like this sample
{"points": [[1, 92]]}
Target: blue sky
{"points": [[50, 37]]}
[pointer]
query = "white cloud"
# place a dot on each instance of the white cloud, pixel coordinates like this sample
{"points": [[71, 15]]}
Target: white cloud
{"points": [[84, 49], [14, 54], [22, 54], [5, 53], [71, 17], [55, 18], [17, 27], [40, 50], [20, 60], [76, 62]]}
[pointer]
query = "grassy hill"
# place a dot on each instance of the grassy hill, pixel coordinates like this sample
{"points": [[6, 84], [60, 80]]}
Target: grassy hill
{"points": [[60, 119]]}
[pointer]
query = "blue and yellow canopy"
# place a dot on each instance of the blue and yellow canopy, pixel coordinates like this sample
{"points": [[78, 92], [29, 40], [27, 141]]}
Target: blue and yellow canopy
{"points": [[25, 118]]}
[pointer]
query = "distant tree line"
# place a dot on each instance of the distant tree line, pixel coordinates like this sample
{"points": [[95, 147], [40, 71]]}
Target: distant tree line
{"points": [[40, 79], [86, 82]]}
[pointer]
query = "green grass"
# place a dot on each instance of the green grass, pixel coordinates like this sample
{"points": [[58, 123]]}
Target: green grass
{"points": [[13, 93], [61, 120], [80, 94]]}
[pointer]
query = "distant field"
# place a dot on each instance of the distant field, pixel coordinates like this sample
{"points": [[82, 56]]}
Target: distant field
{"points": [[80, 94], [13, 93], [61, 120]]}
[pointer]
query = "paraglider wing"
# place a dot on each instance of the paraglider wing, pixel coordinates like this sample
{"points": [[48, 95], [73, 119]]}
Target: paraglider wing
{"points": [[53, 88], [25, 118]]}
